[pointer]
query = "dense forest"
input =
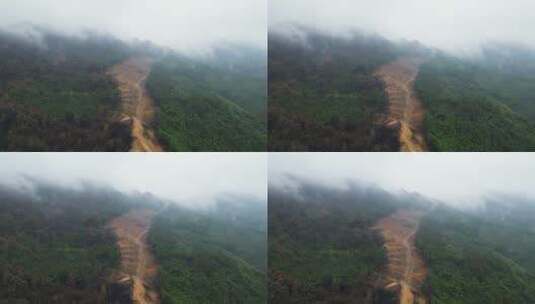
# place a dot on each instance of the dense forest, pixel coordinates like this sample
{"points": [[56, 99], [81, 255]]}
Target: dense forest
{"points": [[55, 243], [486, 103], [323, 95], [59, 246], [55, 94], [214, 256], [321, 245], [483, 256], [211, 104]]}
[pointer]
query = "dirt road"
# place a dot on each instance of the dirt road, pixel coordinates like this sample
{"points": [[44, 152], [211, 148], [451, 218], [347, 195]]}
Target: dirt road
{"points": [[406, 269], [405, 110], [137, 262], [138, 107]]}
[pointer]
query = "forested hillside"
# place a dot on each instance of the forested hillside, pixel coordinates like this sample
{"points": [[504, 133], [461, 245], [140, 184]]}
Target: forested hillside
{"points": [[480, 104], [55, 243], [329, 245], [64, 245], [480, 257], [55, 94], [322, 248], [214, 256], [323, 95], [211, 104]]}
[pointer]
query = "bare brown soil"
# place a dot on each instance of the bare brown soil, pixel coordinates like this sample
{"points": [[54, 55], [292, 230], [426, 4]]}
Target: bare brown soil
{"points": [[138, 266], [138, 106], [405, 110], [406, 270]]}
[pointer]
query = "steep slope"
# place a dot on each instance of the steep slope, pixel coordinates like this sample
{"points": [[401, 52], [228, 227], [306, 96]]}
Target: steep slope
{"points": [[138, 267], [210, 257], [479, 258], [55, 94], [138, 107], [322, 248], [323, 95], [478, 105], [204, 106], [406, 269], [55, 244], [405, 110]]}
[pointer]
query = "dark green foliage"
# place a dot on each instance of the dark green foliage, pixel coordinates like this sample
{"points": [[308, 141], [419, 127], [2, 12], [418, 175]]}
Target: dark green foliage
{"points": [[239, 74], [323, 95], [60, 92], [321, 247], [477, 105], [218, 256], [481, 257], [205, 107], [55, 244]]}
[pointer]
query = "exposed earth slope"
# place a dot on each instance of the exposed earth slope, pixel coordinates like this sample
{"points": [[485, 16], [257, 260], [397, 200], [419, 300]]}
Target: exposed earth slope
{"points": [[138, 106], [138, 266], [406, 268], [405, 110]]}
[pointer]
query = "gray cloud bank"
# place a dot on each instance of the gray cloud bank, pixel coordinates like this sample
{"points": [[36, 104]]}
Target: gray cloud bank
{"points": [[193, 179], [460, 179], [185, 25], [454, 25]]}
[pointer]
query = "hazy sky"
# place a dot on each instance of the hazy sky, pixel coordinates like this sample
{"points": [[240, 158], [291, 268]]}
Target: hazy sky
{"points": [[448, 24], [192, 178], [457, 178], [181, 24]]}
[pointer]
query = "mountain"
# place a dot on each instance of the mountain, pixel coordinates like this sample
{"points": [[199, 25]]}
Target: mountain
{"points": [[55, 94], [78, 93], [323, 95], [212, 257], [210, 104], [361, 244], [478, 258], [480, 104], [362, 92], [98, 245]]}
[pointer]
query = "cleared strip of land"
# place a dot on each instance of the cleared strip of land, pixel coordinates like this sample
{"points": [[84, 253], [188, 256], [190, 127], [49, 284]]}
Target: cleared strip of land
{"points": [[405, 110], [138, 106]]}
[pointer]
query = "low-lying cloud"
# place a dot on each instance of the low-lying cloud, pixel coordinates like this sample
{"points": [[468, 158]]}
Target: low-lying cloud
{"points": [[454, 25], [191, 179], [461, 179], [185, 25]]}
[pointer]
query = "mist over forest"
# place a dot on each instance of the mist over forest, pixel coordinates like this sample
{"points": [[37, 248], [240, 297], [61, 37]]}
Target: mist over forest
{"points": [[456, 26], [64, 242], [189, 26], [327, 242]]}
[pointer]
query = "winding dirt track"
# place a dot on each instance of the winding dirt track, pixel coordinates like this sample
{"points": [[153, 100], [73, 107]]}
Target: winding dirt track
{"points": [[405, 110], [137, 263], [406, 269], [138, 107]]}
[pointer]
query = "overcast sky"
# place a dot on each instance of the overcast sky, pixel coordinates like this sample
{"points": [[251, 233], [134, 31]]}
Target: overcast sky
{"points": [[182, 24], [456, 178], [192, 178], [448, 24]]}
